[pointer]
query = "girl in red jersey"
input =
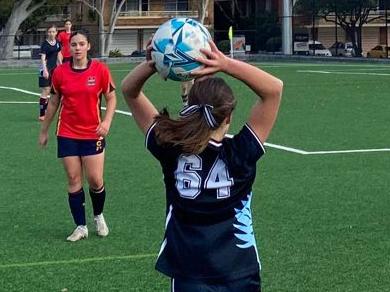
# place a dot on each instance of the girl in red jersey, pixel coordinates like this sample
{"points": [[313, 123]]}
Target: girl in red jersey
{"points": [[64, 37], [77, 87]]}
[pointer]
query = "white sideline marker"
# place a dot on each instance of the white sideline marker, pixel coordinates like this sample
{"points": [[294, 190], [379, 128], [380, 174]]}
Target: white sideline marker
{"points": [[270, 145]]}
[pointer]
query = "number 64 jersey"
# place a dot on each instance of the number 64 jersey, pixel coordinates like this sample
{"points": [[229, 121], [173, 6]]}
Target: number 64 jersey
{"points": [[208, 230]]}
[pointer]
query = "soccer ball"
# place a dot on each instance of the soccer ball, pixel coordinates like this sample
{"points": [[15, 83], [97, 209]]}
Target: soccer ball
{"points": [[176, 44]]}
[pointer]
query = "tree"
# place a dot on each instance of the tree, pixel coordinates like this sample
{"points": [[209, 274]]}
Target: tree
{"points": [[105, 36], [350, 15], [21, 9], [230, 9], [23, 16], [203, 9]]}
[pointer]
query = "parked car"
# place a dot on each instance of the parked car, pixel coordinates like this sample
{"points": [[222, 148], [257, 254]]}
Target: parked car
{"points": [[378, 52], [138, 53], [316, 48], [342, 49]]}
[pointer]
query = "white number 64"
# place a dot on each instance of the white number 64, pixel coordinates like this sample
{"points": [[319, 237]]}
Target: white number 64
{"points": [[189, 182]]}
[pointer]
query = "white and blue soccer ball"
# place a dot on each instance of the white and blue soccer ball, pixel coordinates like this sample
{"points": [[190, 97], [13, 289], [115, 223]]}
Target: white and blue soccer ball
{"points": [[176, 44]]}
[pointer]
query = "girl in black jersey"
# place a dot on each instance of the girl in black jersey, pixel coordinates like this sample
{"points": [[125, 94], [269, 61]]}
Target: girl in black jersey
{"points": [[209, 243], [50, 58]]}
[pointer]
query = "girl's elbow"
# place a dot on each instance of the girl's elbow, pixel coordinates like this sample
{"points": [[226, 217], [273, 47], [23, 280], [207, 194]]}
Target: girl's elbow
{"points": [[124, 88], [279, 88]]}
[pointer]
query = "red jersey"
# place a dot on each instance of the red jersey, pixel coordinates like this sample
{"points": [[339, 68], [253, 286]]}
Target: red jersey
{"points": [[64, 38], [80, 92]]}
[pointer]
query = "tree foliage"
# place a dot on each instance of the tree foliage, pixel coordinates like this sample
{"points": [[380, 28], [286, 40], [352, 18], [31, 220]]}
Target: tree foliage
{"points": [[5, 12], [350, 15], [15, 17]]}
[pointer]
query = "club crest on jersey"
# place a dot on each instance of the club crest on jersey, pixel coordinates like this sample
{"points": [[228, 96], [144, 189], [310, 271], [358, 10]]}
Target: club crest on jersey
{"points": [[91, 81]]}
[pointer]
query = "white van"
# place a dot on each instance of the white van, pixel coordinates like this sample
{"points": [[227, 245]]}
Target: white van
{"points": [[316, 48]]}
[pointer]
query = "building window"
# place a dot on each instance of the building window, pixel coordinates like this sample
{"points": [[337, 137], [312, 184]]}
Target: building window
{"points": [[383, 35], [145, 5], [176, 5], [243, 8], [182, 5], [129, 5]]}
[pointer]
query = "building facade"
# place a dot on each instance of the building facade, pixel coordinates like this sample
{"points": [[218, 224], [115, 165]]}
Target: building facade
{"points": [[374, 33], [139, 19]]}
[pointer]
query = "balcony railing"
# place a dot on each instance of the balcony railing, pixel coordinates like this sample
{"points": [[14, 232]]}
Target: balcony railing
{"points": [[137, 13], [58, 17]]}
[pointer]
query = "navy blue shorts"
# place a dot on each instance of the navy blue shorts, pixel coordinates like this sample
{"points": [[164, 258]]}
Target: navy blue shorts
{"points": [[77, 147], [248, 284], [43, 82]]}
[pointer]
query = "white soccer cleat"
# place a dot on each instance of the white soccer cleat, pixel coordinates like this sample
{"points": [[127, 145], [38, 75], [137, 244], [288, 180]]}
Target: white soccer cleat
{"points": [[101, 226], [80, 232]]}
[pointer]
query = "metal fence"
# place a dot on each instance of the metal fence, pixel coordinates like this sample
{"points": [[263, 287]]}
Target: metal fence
{"points": [[311, 35]]}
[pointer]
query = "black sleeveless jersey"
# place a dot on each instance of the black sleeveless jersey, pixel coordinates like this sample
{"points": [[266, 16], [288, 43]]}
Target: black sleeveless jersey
{"points": [[208, 230]]}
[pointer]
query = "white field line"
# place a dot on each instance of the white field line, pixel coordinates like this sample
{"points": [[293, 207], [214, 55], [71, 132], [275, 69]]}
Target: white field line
{"points": [[262, 64], [18, 73], [270, 145], [343, 73], [288, 149], [348, 151], [77, 261], [37, 94], [370, 69], [20, 90], [18, 102]]}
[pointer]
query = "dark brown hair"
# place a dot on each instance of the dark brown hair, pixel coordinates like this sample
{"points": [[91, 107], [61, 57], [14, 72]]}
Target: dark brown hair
{"points": [[192, 133], [81, 32], [51, 26]]}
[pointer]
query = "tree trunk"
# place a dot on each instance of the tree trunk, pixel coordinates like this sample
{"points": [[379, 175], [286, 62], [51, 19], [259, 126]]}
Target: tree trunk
{"points": [[102, 35], [203, 8], [359, 41], [18, 15], [114, 16], [351, 32]]}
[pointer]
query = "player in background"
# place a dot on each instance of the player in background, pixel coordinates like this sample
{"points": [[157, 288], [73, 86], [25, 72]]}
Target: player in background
{"points": [[64, 37], [78, 86], [185, 87], [50, 58], [209, 243]]}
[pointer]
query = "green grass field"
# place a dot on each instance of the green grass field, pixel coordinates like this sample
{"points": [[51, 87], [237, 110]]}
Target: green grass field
{"points": [[321, 220]]}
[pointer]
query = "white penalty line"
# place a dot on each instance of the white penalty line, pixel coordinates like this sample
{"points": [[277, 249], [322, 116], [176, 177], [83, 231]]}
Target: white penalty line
{"points": [[77, 261], [270, 145]]}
